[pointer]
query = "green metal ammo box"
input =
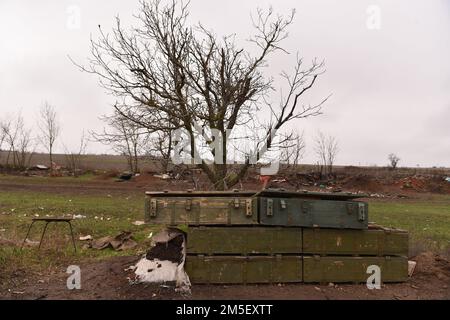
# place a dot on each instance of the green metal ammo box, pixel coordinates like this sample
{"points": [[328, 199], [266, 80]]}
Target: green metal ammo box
{"points": [[242, 269], [201, 208], [267, 207], [353, 269], [376, 241], [243, 240]]}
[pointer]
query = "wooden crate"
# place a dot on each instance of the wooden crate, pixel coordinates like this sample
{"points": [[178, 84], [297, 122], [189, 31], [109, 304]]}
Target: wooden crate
{"points": [[376, 241], [243, 269], [313, 213], [353, 269], [268, 207], [244, 240]]}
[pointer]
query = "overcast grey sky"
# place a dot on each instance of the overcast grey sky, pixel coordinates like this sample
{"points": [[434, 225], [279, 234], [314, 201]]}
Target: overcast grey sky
{"points": [[390, 78]]}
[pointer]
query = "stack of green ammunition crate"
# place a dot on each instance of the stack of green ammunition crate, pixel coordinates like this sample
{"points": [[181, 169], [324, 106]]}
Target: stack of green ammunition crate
{"points": [[277, 236]]}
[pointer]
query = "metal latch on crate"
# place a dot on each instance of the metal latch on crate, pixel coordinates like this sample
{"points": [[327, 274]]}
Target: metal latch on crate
{"points": [[283, 204], [249, 209], [152, 207], [350, 208], [361, 212], [188, 204], [270, 207], [305, 206]]}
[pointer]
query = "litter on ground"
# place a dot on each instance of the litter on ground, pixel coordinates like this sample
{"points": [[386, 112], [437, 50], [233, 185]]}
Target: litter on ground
{"points": [[123, 241]]}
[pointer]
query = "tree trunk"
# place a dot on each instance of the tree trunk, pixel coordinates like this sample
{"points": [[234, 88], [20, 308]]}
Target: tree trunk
{"points": [[51, 159]]}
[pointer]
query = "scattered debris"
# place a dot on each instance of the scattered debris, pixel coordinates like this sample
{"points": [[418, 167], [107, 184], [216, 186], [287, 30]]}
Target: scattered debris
{"points": [[138, 223], [125, 176], [377, 195], [163, 176], [78, 216], [411, 267], [130, 268], [40, 167], [122, 241], [447, 179], [2, 230], [86, 238], [18, 292], [31, 243]]}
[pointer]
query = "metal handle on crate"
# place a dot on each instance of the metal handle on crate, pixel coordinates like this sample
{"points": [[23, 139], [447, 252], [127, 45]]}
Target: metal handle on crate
{"points": [[270, 207], [153, 206]]}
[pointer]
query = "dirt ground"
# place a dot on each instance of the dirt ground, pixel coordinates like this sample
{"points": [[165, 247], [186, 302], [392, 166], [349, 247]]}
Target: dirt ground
{"points": [[377, 185], [109, 279]]}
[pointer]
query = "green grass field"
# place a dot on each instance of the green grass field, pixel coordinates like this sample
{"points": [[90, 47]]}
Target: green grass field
{"points": [[104, 215], [427, 220]]}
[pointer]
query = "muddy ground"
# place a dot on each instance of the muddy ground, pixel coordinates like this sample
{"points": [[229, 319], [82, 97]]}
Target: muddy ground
{"points": [[109, 279], [380, 183]]}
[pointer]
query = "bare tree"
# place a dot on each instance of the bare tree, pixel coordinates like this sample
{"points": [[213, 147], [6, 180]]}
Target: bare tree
{"points": [[10, 137], [3, 125], [160, 147], [2, 134], [19, 141], [292, 150], [125, 137], [326, 149], [24, 151], [49, 129], [170, 74], [393, 161], [74, 157], [332, 151], [321, 152]]}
